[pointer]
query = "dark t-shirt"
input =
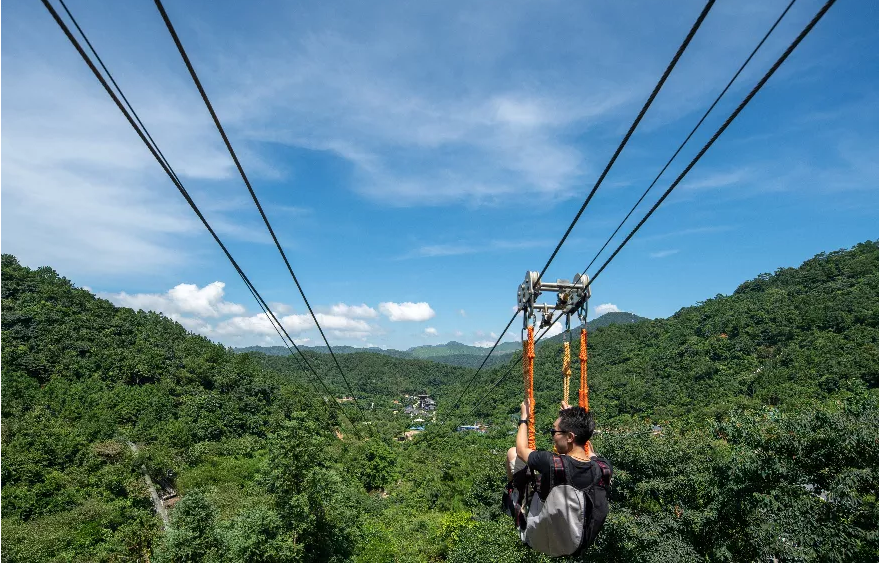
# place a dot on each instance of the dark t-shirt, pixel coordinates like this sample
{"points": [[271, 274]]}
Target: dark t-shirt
{"points": [[581, 474]]}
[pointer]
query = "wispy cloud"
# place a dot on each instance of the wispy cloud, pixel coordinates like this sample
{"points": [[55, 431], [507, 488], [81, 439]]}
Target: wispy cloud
{"points": [[292, 210], [663, 253], [86, 194], [458, 249], [469, 133], [716, 180], [689, 232]]}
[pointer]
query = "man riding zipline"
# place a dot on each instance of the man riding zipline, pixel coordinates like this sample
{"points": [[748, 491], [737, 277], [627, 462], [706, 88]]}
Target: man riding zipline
{"points": [[568, 504]]}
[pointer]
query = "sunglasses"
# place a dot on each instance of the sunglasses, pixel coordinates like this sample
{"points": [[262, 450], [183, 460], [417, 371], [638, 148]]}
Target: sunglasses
{"points": [[553, 432]]}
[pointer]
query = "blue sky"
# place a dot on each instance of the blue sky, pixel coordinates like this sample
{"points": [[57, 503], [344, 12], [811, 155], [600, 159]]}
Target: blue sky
{"points": [[416, 160]]}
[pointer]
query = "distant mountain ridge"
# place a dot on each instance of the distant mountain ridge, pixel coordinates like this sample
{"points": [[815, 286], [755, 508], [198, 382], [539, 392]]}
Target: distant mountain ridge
{"points": [[452, 353], [614, 318]]}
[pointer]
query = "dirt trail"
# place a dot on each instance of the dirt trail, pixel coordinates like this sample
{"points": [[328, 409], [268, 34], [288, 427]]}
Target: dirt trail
{"points": [[154, 494]]}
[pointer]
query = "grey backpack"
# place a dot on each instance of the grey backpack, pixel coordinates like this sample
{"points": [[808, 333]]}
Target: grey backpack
{"points": [[567, 519]]}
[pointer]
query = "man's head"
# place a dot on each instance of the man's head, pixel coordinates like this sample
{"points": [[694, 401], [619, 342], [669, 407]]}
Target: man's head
{"points": [[574, 427]]}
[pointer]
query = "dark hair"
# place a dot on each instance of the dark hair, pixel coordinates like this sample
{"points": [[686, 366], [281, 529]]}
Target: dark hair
{"points": [[579, 421]]}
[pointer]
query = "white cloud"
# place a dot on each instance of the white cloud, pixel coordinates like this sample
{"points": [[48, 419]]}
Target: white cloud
{"points": [[341, 327], [192, 324], [205, 302], [663, 253], [555, 329], [605, 308], [203, 311], [406, 311], [458, 333], [430, 331], [361, 311], [304, 322], [340, 323], [462, 313], [182, 299], [239, 326], [280, 308], [351, 334], [484, 343]]}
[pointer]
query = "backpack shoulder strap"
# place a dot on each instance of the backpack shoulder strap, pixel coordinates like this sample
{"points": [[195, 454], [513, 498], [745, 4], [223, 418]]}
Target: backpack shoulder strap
{"points": [[558, 475], [606, 477]]}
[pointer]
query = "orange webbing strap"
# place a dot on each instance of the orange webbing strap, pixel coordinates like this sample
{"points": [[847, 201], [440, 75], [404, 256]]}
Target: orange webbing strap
{"points": [[528, 367], [567, 371], [582, 356]]}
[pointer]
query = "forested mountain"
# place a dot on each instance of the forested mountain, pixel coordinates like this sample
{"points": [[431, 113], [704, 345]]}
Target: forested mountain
{"points": [[282, 351], [767, 399]]}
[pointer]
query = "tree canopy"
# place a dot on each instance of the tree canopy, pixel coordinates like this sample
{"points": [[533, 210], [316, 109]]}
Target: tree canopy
{"points": [[765, 446]]}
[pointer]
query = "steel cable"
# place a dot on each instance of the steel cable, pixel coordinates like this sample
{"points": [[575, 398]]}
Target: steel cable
{"points": [[244, 176], [171, 174]]}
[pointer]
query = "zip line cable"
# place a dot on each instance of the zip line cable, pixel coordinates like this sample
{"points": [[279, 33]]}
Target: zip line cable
{"points": [[696, 127], [721, 130], [276, 324], [175, 180], [599, 181], [291, 352], [244, 176], [473, 377], [626, 138], [505, 375], [706, 147]]}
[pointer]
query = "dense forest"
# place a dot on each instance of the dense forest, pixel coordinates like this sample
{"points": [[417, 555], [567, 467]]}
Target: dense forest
{"points": [[744, 428]]}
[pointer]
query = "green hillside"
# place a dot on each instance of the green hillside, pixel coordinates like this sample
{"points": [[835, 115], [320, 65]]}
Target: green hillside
{"points": [[282, 351], [454, 348], [767, 399], [614, 318]]}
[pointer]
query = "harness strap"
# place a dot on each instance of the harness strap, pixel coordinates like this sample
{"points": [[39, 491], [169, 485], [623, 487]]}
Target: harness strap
{"points": [[567, 371], [528, 367], [582, 356]]}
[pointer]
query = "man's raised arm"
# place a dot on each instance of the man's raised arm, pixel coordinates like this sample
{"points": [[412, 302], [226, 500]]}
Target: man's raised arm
{"points": [[523, 450]]}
